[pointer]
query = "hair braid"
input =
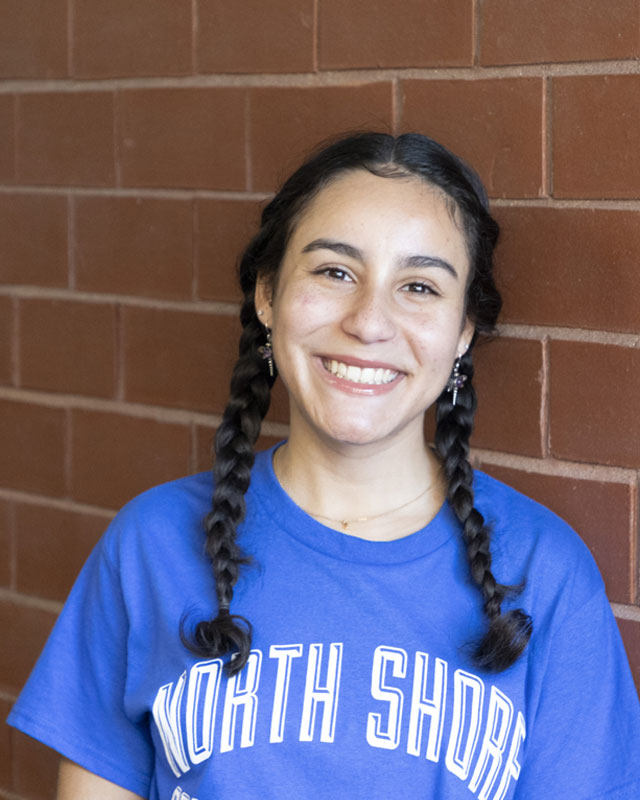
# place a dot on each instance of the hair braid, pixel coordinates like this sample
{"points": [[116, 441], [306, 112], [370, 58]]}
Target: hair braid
{"points": [[234, 457], [509, 633]]}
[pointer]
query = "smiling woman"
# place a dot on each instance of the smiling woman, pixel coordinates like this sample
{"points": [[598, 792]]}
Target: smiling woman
{"points": [[379, 615]]}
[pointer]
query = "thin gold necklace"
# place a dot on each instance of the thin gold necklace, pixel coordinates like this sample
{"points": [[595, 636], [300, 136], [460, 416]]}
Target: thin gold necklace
{"points": [[346, 522]]}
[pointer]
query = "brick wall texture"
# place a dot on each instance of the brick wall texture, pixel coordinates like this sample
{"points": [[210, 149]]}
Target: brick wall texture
{"points": [[138, 141]]}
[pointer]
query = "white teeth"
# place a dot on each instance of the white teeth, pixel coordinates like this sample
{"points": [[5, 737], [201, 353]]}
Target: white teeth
{"points": [[367, 375]]}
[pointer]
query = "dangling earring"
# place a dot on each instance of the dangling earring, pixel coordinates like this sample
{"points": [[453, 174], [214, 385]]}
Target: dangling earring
{"points": [[266, 351], [456, 381]]}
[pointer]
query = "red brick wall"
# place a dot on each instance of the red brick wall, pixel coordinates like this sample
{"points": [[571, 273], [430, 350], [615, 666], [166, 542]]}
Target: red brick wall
{"points": [[138, 141]]}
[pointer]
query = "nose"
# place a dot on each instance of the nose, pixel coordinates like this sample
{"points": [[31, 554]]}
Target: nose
{"points": [[369, 317]]}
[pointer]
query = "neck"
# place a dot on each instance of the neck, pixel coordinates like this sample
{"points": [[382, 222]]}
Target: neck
{"points": [[379, 488]]}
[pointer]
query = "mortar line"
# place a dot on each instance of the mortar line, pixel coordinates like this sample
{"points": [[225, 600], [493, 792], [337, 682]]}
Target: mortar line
{"points": [[29, 601], [121, 191], [195, 34], [315, 41], [555, 467], [71, 19], [396, 106], [545, 389], [130, 301], [630, 612], [62, 504], [347, 77], [476, 23]]}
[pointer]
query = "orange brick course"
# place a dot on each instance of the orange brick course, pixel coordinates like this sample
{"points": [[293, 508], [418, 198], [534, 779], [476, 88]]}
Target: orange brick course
{"points": [[139, 144]]}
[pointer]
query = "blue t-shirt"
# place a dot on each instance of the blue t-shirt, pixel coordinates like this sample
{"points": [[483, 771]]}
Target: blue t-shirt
{"points": [[359, 684]]}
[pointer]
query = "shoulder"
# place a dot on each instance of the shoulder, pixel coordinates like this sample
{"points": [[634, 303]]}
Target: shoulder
{"points": [[160, 519], [504, 508], [530, 543]]}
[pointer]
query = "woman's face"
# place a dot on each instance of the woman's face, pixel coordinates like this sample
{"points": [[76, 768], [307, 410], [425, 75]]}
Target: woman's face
{"points": [[367, 314]]}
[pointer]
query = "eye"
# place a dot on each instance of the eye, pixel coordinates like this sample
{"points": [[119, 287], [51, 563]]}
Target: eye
{"points": [[419, 287], [336, 273]]}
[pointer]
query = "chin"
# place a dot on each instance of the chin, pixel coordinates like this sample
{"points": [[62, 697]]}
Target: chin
{"points": [[355, 434]]}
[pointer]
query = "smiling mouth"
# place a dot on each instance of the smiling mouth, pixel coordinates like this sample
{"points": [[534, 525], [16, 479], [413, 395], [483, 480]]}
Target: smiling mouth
{"points": [[367, 375]]}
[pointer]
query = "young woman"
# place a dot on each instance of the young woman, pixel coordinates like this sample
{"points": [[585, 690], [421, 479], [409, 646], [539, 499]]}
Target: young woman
{"points": [[366, 616]]}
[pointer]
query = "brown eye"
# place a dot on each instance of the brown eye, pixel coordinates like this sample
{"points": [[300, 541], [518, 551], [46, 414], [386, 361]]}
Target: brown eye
{"points": [[337, 273], [417, 287]]}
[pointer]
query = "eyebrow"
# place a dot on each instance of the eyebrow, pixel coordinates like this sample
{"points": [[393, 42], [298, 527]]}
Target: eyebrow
{"points": [[344, 249]]}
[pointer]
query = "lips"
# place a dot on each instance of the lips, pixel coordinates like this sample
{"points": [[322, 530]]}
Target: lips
{"points": [[371, 376]]}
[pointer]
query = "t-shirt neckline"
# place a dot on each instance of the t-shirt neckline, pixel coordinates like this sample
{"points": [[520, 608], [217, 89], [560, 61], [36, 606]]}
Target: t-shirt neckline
{"points": [[295, 522]]}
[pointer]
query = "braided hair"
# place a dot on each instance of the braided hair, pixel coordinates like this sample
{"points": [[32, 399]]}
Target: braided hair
{"points": [[507, 634]]}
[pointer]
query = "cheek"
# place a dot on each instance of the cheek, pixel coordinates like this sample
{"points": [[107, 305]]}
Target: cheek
{"points": [[302, 312]]}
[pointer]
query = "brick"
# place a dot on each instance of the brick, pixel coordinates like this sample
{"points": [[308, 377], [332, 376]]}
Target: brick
{"points": [[279, 37], [570, 267], [286, 123], [52, 544], [33, 439], [68, 347], [630, 630], [495, 125], [33, 239], [6, 542], [120, 38], [508, 383], [134, 245], [183, 137], [593, 394], [36, 768], [6, 760], [204, 447], [66, 138], [414, 33], [8, 149], [6, 335], [24, 632], [596, 136], [179, 358], [224, 230], [541, 31], [33, 38], [115, 457], [600, 512]]}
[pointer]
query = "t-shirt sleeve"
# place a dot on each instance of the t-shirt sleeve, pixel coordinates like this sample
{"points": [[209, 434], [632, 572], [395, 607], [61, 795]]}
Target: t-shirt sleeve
{"points": [[584, 742], [75, 699]]}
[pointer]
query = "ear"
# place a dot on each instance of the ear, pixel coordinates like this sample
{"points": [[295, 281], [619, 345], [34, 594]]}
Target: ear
{"points": [[262, 300], [466, 335]]}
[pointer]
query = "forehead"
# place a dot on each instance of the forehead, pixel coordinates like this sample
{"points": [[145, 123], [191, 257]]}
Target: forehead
{"points": [[384, 214]]}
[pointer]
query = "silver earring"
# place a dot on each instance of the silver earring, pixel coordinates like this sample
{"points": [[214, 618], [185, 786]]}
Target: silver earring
{"points": [[266, 351], [456, 381]]}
